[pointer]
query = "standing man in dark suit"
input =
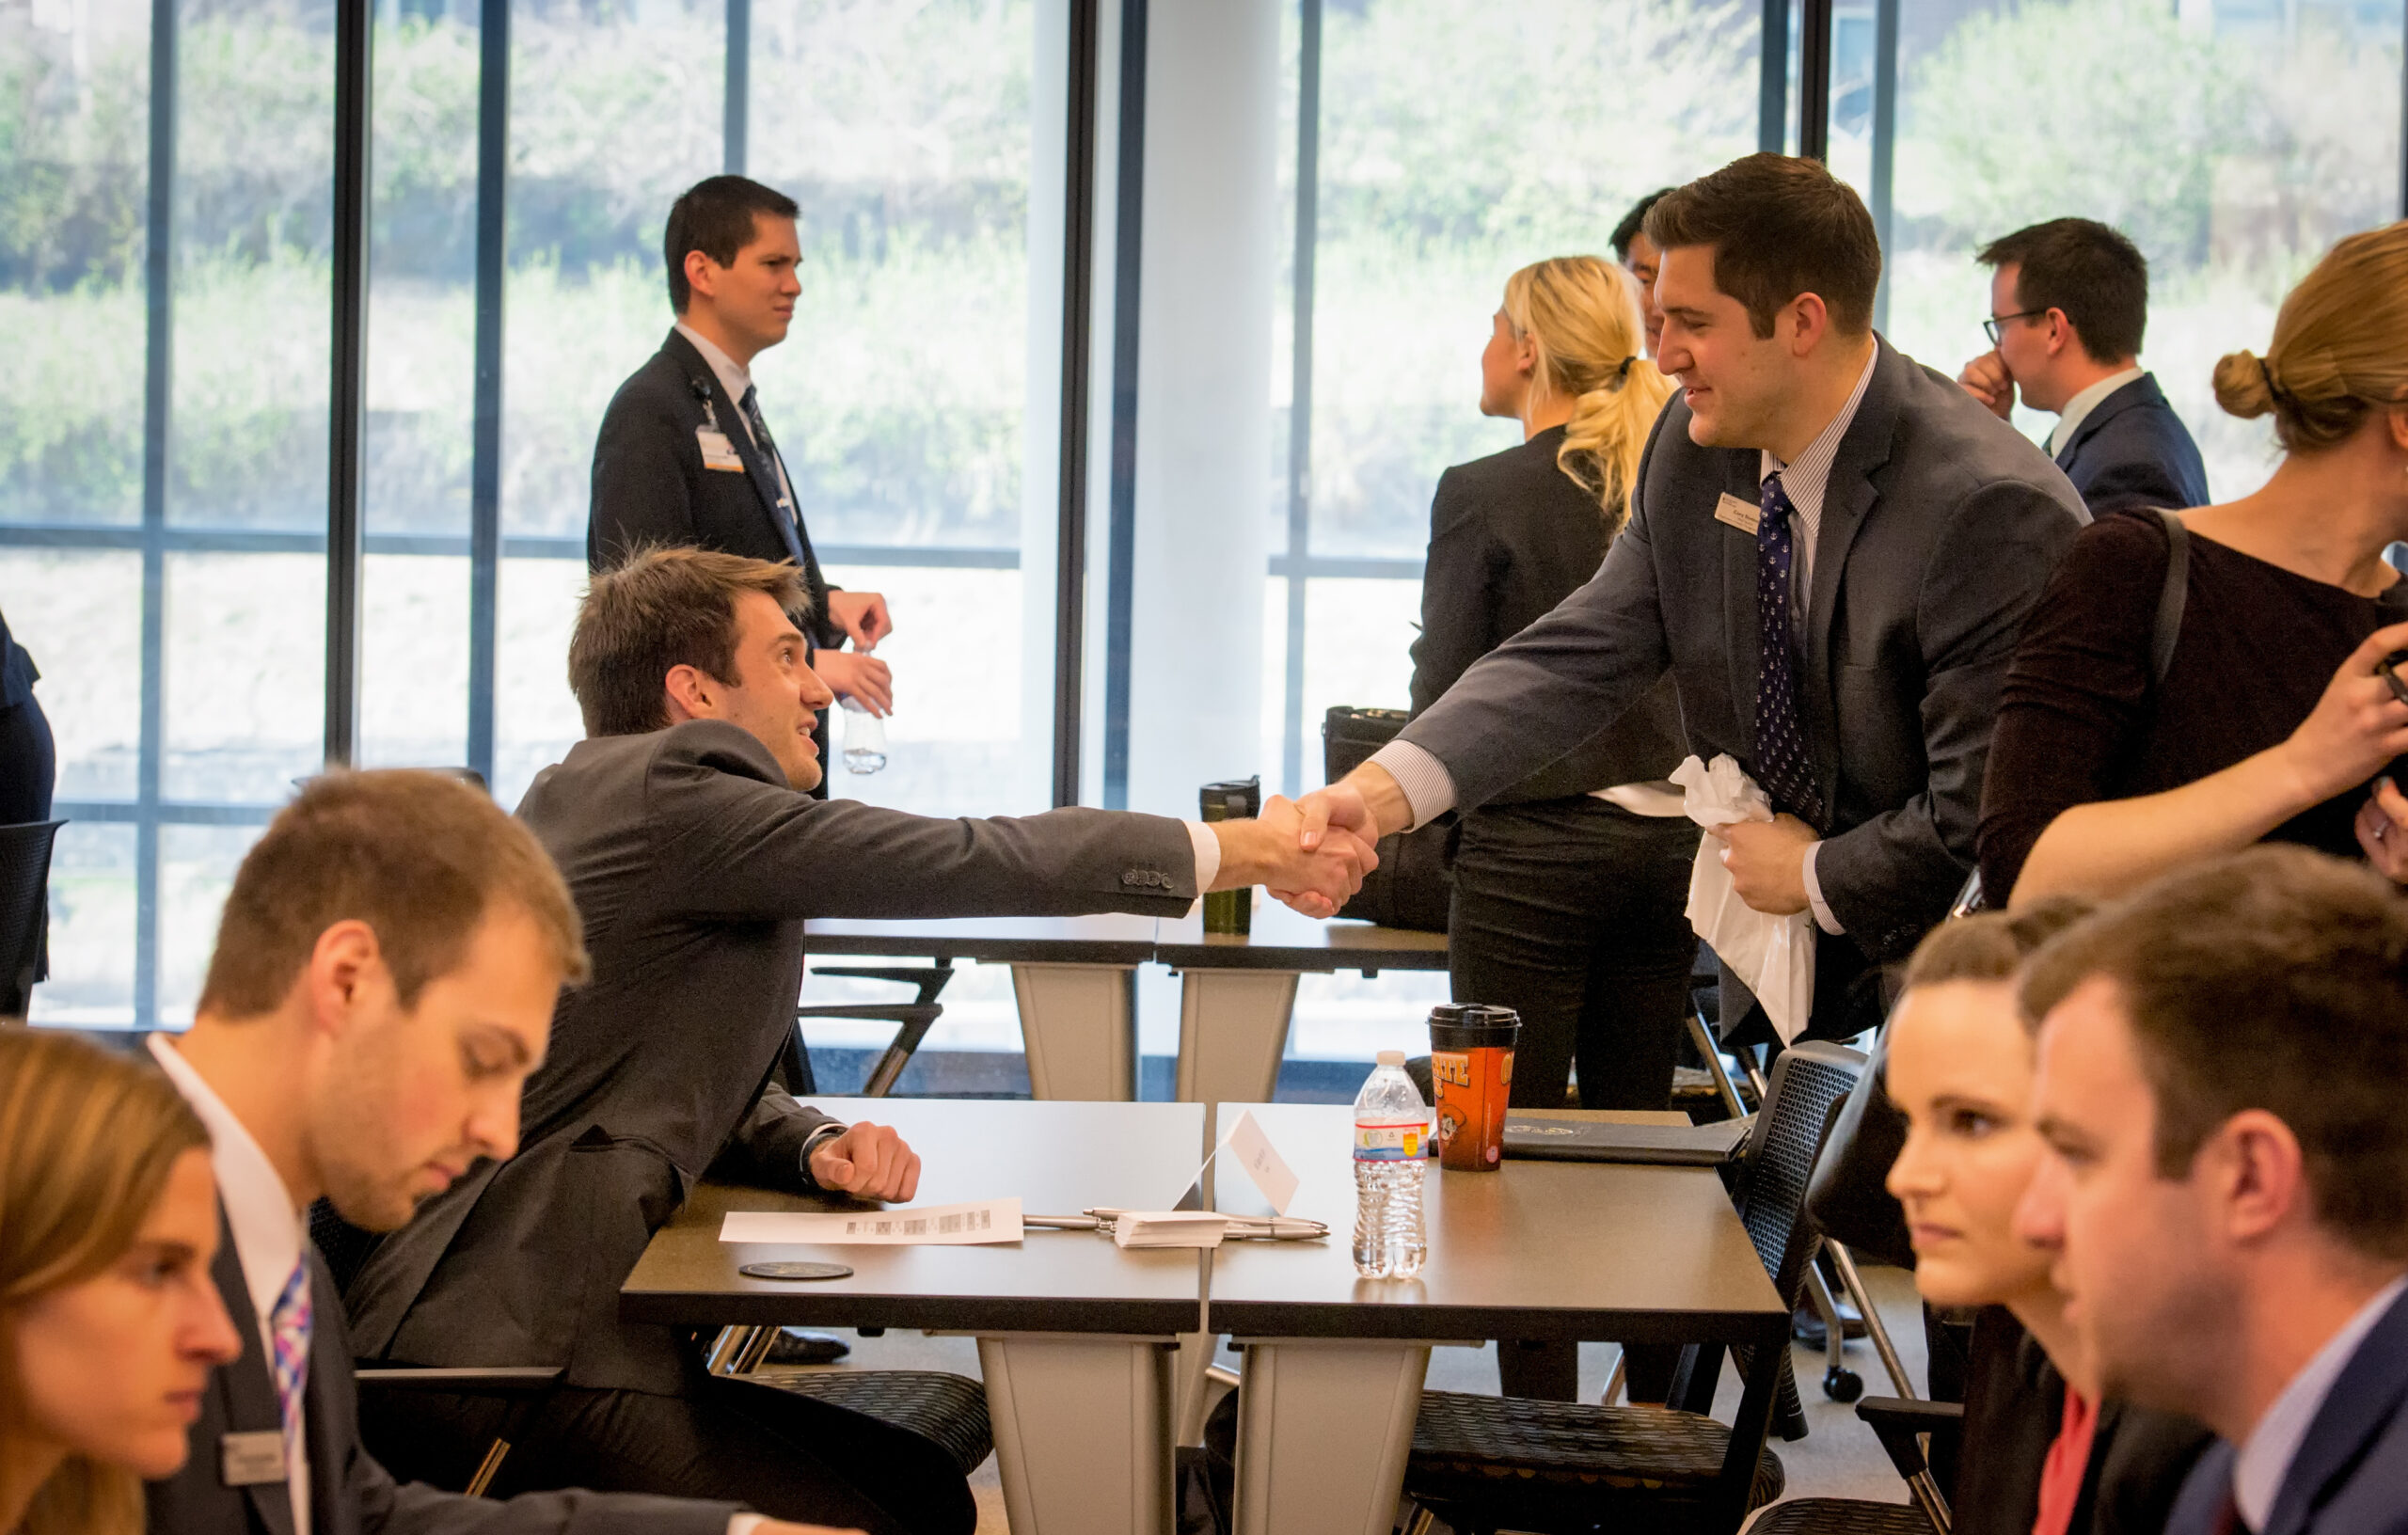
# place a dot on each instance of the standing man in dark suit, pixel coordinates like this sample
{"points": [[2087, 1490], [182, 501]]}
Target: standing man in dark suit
{"points": [[1830, 552], [382, 984], [2069, 305], [685, 456], [28, 777], [695, 859], [2227, 1193]]}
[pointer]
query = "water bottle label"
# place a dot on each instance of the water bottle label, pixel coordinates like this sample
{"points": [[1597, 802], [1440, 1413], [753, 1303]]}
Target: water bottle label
{"points": [[1389, 1142]]}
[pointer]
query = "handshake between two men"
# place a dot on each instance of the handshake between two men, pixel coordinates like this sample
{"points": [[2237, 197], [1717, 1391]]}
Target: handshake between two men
{"points": [[1311, 864]]}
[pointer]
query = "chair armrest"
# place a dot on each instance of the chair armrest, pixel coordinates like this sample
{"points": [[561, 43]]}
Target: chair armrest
{"points": [[877, 1012], [1896, 1421], [928, 979], [506, 1380]]}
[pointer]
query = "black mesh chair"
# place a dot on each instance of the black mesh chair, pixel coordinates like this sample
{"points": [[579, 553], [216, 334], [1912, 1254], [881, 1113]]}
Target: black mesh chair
{"points": [[25, 910], [1482, 1464], [1902, 1425]]}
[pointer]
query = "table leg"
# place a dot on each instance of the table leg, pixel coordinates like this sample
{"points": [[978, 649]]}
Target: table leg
{"points": [[1083, 1431], [1324, 1430], [1232, 1030], [1079, 1025], [1749, 1427]]}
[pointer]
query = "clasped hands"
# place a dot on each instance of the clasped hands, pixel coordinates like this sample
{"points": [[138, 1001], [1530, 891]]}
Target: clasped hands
{"points": [[1312, 870]]}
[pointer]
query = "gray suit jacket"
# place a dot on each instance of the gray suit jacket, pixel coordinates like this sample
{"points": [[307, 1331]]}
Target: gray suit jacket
{"points": [[693, 866], [349, 1492], [1940, 526]]}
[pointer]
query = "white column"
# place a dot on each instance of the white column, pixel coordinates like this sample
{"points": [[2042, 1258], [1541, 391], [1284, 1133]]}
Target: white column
{"points": [[1204, 471]]}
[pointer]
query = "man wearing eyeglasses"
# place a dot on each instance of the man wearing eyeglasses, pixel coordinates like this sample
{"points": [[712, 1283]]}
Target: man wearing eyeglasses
{"points": [[2068, 304]]}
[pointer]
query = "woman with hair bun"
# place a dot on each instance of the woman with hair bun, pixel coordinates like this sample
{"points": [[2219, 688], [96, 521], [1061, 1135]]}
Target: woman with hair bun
{"points": [[110, 1321], [2275, 717], [1570, 888]]}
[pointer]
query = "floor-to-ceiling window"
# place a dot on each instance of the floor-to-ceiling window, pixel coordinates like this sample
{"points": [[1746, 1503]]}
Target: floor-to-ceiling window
{"points": [[2234, 141]]}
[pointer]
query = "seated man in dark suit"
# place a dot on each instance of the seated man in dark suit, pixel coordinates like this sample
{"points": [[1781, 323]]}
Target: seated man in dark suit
{"points": [[2069, 305], [2226, 1191], [383, 983], [695, 859]]}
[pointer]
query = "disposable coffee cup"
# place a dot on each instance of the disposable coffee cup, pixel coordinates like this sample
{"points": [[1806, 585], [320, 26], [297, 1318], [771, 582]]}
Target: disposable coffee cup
{"points": [[1471, 1066]]}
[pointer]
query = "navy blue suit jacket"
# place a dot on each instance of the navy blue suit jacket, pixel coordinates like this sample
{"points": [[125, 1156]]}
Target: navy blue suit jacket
{"points": [[2132, 450], [2350, 1475]]}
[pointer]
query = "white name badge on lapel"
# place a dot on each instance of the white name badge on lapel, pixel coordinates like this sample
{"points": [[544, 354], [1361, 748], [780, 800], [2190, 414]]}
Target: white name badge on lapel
{"points": [[717, 452], [1734, 513], [247, 1460]]}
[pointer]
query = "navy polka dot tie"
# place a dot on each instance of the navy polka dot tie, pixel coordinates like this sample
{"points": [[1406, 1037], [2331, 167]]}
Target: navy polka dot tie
{"points": [[1783, 767]]}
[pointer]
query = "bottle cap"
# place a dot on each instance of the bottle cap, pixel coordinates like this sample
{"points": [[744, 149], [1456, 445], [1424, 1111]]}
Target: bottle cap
{"points": [[1391, 1057]]}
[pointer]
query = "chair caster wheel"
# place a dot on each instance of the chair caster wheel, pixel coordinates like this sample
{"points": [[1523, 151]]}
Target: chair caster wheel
{"points": [[1843, 1385]]}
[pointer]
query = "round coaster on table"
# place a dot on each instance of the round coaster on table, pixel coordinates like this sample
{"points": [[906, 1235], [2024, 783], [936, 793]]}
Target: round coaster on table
{"points": [[797, 1270]]}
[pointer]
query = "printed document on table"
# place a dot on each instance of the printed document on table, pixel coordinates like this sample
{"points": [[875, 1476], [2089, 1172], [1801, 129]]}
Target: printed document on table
{"points": [[913, 1225]]}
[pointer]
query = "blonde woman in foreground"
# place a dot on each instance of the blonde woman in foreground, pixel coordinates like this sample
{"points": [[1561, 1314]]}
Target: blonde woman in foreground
{"points": [[110, 1321], [2042, 1455]]}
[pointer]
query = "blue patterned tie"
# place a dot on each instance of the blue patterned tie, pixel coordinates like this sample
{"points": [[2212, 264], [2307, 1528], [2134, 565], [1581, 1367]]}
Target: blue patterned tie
{"points": [[1782, 763], [289, 1354]]}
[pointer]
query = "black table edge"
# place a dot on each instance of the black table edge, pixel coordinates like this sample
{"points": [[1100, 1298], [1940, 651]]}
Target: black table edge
{"points": [[1274, 1320], [802, 1306]]}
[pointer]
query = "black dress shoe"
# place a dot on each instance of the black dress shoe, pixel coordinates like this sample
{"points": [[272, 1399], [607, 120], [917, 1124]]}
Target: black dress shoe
{"points": [[795, 1347]]}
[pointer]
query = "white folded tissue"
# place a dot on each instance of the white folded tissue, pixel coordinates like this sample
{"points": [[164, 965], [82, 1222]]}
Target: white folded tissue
{"points": [[1774, 956]]}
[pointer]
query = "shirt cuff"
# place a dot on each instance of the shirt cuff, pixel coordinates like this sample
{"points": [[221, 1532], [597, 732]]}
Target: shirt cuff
{"points": [[1207, 854], [810, 1143], [1429, 788], [1823, 917], [745, 1524]]}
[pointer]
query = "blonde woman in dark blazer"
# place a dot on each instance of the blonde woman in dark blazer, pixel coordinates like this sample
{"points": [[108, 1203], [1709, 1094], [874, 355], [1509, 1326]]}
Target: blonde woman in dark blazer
{"points": [[1570, 885]]}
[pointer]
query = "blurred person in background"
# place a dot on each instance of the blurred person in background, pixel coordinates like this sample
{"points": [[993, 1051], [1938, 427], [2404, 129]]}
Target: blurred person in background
{"points": [[1570, 887], [2068, 306], [110, 1323], [685, 456], [1637, 254], [29, 775], [2272, 719], [2042, 1453]]}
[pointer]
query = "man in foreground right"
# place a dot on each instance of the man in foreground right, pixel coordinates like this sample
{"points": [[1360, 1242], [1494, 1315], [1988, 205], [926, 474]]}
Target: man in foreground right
{"points": [[2219, 1078]]}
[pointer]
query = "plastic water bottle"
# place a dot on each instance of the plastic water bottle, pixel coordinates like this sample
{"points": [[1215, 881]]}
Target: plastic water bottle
{"points": [[865, 738], [1391, 1135]]}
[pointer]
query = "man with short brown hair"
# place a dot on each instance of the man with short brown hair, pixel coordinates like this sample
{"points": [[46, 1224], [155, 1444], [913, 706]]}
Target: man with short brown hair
{"points": [[2220, 1071], [1830, 549], [682, 827], [383, 983]]}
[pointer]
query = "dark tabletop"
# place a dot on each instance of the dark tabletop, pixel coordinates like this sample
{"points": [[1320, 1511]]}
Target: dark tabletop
{"points": [[1536, 1250], [1108, 940], [1058, 1157], [1286, 940]]}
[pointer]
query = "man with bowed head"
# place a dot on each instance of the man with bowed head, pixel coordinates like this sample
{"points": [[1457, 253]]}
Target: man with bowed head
{"points": [[383, 983], [2225, 1194], [695, 858], [1831, 550]]}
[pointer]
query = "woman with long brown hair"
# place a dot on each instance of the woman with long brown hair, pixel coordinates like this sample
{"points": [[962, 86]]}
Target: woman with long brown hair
{"points": [[110, 1321]]}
